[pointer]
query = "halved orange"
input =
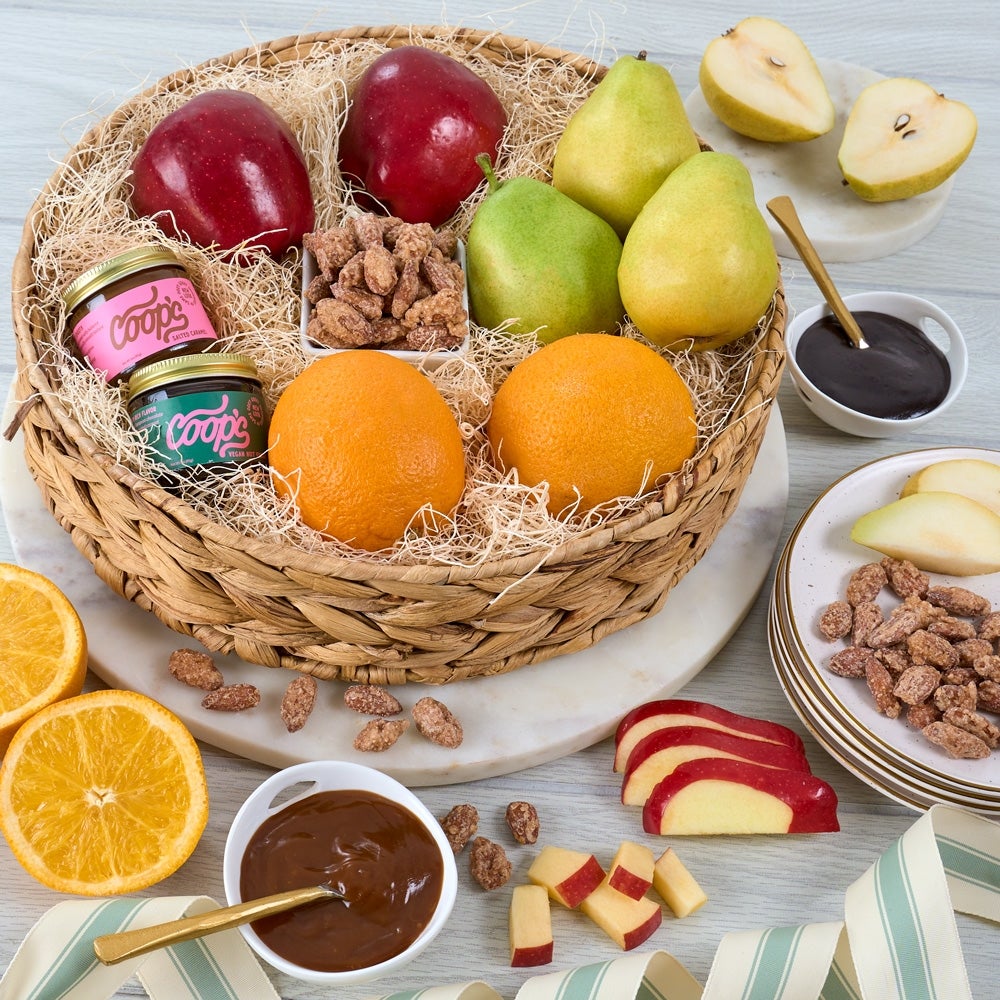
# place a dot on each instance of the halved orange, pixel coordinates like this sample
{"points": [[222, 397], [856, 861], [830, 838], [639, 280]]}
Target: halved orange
{"points": [[43, 647], [102, 794]]}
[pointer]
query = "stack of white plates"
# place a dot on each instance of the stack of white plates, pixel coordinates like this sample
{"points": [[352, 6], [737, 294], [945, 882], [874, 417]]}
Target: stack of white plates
{"points": [[812, 571]]}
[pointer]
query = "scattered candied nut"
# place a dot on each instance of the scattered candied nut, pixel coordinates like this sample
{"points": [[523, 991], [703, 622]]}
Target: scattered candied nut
{"points": [[196, 669], [298, 702], [959, 675], [956, 696], [435, 722], [916, 684], [953, 629], [988, 667], [904, 578], [380, 734], [232, 698], [901, 623], [837, 620], [851, 662], [919, 716], [489, 864], [865, 583], [881, 685], [926, 647], [959, 601], [460, 825], [522, 818], [371, 699], [975, 723], [867, 617], [969, 650], [956, 742], [895, 659], [988, 695], [989, 627]]}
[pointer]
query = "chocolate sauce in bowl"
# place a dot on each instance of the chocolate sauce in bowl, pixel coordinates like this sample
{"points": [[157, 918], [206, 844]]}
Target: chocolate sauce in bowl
{"points": [[372, 849], [902, 374]]}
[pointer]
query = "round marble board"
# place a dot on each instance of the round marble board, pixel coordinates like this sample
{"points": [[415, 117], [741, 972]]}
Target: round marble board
{"points": [[843, 227], [511, 721]]}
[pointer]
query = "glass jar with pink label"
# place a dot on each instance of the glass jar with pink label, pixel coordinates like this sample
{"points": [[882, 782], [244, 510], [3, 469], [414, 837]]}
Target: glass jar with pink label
{"points": [[135, 308]]}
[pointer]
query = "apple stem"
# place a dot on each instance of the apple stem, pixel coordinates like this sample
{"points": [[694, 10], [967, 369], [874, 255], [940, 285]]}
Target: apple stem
{"points": [[486, 165]]}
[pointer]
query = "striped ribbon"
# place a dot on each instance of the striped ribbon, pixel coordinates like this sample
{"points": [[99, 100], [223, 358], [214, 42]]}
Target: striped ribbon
{"points": [[898, 941]]}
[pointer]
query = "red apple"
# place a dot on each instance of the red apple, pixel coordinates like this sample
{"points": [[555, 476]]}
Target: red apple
{"points": [[627, 921], [568, 876], [417, 120], [222, 169], [530, 923], [631, 870]]}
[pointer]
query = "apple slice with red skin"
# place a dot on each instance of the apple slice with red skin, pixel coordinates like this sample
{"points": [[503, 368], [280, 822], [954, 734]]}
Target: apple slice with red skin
{"points": [[568, 876], [627, 921], [657, 754], [715, 795], [530, 927], [653, 715], [631, 869]]}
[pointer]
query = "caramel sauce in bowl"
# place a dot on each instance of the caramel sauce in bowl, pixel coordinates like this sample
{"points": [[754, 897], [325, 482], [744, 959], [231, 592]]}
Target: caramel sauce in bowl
{"points": [[360, 831]]}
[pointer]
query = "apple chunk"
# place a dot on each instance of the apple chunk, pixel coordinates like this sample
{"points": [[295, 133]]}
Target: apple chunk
{"points": [[971, 477], [627, 921], [667, 712], [718, 796], [938, 532], [568, 876], [530, 926], [631, 869], [676, 885], [657, 754], [903, 138], [761, 81]]}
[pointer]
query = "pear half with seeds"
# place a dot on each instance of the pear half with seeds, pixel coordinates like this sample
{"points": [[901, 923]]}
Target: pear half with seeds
{"points": [[903, 138], [760, 80]]}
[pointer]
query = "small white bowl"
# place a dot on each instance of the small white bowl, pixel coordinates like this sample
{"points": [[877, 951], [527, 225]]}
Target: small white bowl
{"points": [[935, 324], [328, 775]]}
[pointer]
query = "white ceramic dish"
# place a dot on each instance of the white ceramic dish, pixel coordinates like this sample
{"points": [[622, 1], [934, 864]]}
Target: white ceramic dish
{"points": [[842, 226], [306, 779], [931, 320]]}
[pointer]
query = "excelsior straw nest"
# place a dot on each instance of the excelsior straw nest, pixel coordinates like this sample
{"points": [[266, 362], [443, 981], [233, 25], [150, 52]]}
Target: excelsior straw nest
{"points": [[504, 583]]}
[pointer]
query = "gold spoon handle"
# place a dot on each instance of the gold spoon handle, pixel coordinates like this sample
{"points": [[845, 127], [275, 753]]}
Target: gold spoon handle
{"points": [[784, 212], [113, 948]]}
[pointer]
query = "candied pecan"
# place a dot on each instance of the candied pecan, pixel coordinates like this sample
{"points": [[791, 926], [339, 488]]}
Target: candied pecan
{"points": [[196, 669], [368, 304], [390, 333], [880, 683], [446, 242], [916, 684], [352, 274], [865, 583], [343, 322], [922, 715], [837, 620], [406, 291], [956, 742], [953, 629], [319, 334], [900, 624], [489, 864], [318, 288], [867, 617], [851, 662], [895, 659], [959, 601], [988, 667], [927, 612], [435, 722], [232, 698], [298, 702], [955, 696], [972, 722], [380, 734], [413, 241], [371, 699], [988, 694], [380, 270], [904, 578], [441, 274], [926, 647], [460, 825], [959, 675], [332, 248], [989, 627], [522, 818], [433, 337], [969, 650], [367, 229]]}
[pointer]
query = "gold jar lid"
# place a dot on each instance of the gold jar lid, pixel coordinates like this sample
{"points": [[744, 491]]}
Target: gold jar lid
{"points": [[137, 259], [187, 366]]}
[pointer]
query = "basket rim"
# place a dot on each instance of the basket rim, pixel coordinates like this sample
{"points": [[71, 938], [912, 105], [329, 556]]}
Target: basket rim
{"points": [[290, 48]]}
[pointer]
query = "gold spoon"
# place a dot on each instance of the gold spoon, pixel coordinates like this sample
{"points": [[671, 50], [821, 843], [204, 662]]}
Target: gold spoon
{"points": [[784, 211], [113, 948]]}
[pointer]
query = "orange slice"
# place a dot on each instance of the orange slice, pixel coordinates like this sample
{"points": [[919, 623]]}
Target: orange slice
{"points": [[102, 794], [43, 647]]}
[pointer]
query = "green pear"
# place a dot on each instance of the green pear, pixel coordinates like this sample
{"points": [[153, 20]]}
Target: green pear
{"points": [[699, 261], [539, 263], [620, 144]]}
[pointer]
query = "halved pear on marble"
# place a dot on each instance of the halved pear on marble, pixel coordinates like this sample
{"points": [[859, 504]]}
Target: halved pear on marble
{"points": [[938, 532], [903, 138], [761, 80], [974, 478]]}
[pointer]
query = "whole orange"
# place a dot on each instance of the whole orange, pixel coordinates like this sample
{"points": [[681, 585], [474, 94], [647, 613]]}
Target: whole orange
{"points": [[362, 441], [593, 414]]}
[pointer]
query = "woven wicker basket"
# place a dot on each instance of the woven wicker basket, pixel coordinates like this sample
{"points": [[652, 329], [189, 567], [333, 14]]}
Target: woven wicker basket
{"points": [[336, 617]]}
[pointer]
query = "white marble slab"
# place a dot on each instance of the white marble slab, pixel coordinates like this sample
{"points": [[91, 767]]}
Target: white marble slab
{"points": [[842, 226], [516, 720]]}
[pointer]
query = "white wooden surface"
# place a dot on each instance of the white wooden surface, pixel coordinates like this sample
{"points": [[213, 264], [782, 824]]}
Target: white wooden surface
{"points": [[69, 61]]}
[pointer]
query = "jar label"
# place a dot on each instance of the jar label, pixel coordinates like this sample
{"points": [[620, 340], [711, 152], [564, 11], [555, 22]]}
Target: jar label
{"points": [[136, 324], [204, 428]]}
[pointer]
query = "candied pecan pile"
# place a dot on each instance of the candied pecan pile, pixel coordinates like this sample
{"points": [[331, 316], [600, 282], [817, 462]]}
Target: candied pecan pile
{"points": [[931, 661], [385, 283]]}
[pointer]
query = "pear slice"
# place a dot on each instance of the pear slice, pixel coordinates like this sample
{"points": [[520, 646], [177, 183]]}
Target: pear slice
{"points": [[974, 478], [938, 532], [903, 138], [761, 80]]}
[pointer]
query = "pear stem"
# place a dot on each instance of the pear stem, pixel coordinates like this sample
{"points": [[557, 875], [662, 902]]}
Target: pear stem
{"points": [[642, 55], [483, 159]]}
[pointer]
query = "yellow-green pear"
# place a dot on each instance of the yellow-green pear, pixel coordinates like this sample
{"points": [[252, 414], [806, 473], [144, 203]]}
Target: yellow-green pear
{"points": [[620, 144], [699, 261]]}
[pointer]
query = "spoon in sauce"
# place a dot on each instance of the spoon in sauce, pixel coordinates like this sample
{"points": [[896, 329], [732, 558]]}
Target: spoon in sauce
{"points": [[113, 948], [784, 212]]}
